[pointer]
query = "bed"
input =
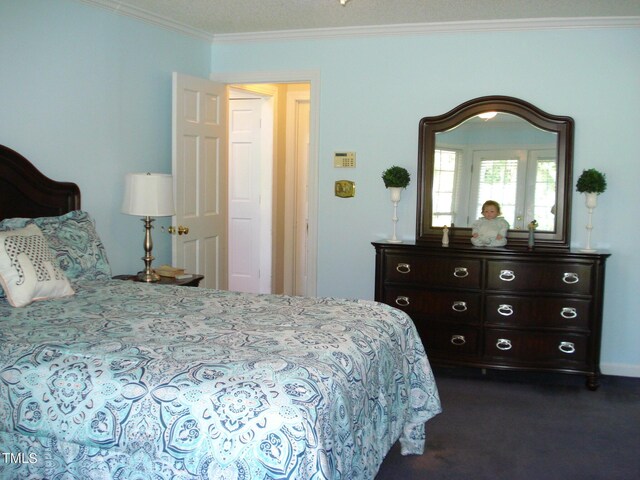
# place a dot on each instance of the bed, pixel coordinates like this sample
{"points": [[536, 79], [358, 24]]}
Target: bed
{"points": [[107, 379]]}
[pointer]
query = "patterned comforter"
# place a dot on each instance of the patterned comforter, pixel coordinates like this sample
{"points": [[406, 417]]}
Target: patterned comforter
{"points": [[126, 380]]}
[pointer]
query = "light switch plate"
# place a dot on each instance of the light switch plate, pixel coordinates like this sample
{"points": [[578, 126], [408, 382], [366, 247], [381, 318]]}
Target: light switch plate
{"points": [[345, 188], [344, 159]]}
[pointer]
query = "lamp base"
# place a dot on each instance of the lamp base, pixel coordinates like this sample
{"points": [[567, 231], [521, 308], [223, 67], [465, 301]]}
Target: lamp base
{"points": [[148, 277]]}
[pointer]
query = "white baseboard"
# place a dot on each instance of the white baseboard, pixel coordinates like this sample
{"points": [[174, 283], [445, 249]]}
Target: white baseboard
{"points": [[620, 369]]}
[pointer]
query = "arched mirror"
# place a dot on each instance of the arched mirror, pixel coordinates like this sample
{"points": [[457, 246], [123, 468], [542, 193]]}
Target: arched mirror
{"points": [[495, 148]]}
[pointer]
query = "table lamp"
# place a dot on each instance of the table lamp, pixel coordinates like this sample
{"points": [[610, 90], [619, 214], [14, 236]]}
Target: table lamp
{"points": [[148, 195]]}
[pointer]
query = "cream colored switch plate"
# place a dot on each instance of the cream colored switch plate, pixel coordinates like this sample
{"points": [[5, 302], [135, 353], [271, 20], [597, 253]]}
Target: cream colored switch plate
{"points": [[344, 159], [345, 188]]}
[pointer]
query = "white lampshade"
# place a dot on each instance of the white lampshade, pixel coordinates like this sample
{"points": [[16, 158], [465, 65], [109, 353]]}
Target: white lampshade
{"points": [[148, 195]]}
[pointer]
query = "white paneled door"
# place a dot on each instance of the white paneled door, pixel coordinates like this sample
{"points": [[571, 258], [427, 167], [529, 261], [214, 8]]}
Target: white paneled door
{"points": [[245, 196], [200, 177]]}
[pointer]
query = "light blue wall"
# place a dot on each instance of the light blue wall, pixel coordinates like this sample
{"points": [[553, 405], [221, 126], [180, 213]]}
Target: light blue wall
{"points": [[85, 94], [373, 92]]}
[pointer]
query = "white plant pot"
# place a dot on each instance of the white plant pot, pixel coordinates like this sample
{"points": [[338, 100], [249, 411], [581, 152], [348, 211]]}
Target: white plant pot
{"points": [[590, 199], [395, 193]]}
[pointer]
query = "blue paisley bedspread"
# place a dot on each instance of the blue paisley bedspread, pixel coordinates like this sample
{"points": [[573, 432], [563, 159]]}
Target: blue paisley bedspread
{"points": [[130, 381]]}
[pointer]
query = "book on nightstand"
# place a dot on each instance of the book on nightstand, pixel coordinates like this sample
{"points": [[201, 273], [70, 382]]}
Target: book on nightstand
{"points": [[169, 271]]}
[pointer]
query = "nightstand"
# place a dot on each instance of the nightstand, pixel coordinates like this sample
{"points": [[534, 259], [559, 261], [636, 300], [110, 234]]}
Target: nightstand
{"points": [[192, 281]]}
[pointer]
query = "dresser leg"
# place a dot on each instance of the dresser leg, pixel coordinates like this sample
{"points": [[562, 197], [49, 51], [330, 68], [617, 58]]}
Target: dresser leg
{"points": [[593, 382]]}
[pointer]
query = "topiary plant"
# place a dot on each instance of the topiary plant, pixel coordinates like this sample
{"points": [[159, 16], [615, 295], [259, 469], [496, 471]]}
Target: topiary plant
{"points": [[396, 177], [591, 181]]}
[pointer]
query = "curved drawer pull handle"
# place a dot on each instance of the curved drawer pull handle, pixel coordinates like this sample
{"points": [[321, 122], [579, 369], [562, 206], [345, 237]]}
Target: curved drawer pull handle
{"points": [[507, 275], [504, 344], [402, 301], [570, 277], [403, 268], [459, 306], [568, 312], [567, 347], [460, 272], [505, 309], [458, 340]]}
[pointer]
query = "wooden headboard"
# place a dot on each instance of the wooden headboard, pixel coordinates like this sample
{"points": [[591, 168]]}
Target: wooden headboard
{"points": [[26, 192]]}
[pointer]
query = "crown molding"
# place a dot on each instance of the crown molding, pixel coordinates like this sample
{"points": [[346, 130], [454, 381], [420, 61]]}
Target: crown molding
{"points": [[152, 18], [433, 28], [372, 30]]}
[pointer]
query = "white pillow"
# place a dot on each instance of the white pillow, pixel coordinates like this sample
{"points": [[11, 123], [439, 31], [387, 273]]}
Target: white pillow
{"points": [[28, 271]]}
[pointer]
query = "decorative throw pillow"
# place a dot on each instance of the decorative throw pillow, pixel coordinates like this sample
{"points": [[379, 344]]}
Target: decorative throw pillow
{"points": [[74, 242], [28, 271]]}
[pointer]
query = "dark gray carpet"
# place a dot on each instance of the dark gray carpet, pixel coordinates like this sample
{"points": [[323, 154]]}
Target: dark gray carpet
{"points": [[509, 425]]}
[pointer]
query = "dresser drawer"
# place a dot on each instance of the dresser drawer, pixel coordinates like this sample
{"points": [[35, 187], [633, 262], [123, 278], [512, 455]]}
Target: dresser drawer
{"points": [[449, 340], [546, 277], [435, 305], [543, 349], [430, 270], [538, 312]]}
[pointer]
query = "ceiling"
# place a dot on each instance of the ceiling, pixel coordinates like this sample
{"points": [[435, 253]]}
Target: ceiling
{"points": [[220, 17]]}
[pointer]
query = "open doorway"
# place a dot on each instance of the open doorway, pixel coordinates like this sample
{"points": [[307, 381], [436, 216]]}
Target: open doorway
{"points": [[269, 145]]}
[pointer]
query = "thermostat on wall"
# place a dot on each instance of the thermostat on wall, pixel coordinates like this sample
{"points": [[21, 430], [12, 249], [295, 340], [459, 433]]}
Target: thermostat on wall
{"points": [[344, 159]]}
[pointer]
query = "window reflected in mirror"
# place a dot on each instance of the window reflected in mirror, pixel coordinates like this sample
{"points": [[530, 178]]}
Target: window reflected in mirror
{"points": [[502, 158]]}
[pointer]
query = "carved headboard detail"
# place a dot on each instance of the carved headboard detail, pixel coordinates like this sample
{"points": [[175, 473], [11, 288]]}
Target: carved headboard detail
{"points": [[27, 192]]}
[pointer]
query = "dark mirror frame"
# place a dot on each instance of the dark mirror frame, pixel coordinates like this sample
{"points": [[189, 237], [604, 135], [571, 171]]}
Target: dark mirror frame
{"points": [[429, 126]]}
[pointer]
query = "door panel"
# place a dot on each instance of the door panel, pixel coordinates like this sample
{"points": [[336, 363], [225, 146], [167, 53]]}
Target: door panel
{"points": [[244, 195], [200, 177]]}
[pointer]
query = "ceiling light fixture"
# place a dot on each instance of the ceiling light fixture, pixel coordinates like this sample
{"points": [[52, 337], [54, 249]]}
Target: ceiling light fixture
{"points": [[343, 2], [487, 115]]}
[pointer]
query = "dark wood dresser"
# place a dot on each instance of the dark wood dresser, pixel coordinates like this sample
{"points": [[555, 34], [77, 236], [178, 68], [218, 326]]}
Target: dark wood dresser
{"points": [[499, 308]]}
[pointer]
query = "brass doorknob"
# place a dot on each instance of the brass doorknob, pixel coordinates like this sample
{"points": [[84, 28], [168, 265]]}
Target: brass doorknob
{"points": [[180, 230]]}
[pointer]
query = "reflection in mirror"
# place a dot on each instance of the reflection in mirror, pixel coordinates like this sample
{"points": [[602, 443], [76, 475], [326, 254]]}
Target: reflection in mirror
{"points": [[495, 148], [502, 158]]}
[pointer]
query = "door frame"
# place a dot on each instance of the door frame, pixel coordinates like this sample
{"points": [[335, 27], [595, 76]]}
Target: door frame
{"points": [[312, 77], [295, 234]]}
